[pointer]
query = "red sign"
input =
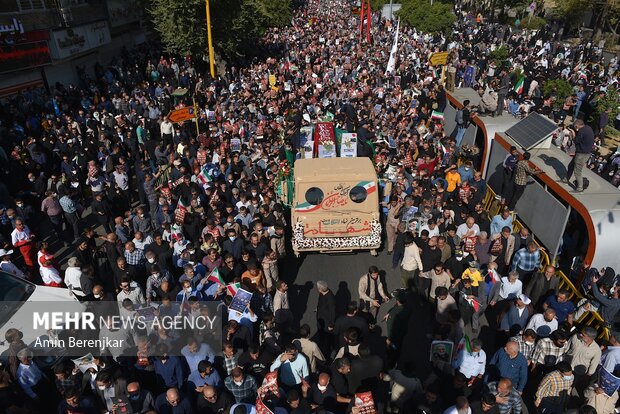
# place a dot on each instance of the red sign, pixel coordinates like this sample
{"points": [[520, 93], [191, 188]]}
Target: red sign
{"points": [[183, 114], [24, 50]]}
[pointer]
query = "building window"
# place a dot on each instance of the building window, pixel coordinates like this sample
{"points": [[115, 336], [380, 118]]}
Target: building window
{"points": [[25, 5]]}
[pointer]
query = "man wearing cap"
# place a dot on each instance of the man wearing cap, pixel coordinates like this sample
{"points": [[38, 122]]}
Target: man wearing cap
{"points": [[7, 266], [516, 317]]}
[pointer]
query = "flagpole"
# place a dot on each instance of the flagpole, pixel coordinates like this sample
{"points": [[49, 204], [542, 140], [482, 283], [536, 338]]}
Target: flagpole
{"points": [[210, 40], [196, 118]]}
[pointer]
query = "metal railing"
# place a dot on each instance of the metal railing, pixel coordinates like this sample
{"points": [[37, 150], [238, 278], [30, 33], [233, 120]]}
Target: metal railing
{"points": [[589, 318]]}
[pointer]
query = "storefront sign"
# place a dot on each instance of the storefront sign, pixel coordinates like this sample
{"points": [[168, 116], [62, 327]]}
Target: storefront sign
{"points": [[15, 26], [71, 41]]}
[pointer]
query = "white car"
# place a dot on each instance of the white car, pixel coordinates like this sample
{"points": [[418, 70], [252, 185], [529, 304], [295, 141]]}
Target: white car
{"points": [[18, 298]]}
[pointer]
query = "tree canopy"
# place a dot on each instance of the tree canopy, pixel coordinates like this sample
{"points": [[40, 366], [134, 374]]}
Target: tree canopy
{"points": [[236, 25], [434, 19]]}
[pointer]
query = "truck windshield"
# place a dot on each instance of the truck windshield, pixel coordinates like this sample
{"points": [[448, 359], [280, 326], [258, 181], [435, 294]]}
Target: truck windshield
{"points": [[13, 292]]}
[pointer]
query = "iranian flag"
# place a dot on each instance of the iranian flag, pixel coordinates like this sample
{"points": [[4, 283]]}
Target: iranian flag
{"points": [[233, 288], [370, 186], [179, 212], [204, 175], [519, 86], [215, 276], [437, 115]]}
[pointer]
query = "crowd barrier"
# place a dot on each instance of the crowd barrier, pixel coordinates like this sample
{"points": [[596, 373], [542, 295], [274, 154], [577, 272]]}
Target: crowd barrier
{"points": [[590, 318]]}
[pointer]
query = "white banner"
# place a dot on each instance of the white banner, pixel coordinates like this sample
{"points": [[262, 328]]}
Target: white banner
{"points": [[348, 145], [74, 40]]}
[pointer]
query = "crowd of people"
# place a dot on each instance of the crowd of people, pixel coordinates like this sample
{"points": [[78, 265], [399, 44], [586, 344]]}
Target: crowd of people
{"points": [[145, 210]]}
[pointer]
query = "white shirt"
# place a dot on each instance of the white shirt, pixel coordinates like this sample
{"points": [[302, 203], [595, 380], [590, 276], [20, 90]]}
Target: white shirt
{"points": [[510, 290], [166, 127], [463, 229], [471, 364], [50, 275], [72, 280], [141, 244], [611, 358], [411, 258], [431, 233], [20, 235], [538, 321]]}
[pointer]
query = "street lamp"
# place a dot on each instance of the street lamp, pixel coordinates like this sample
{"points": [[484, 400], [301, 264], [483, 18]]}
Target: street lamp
{"points": [[211, 54]]}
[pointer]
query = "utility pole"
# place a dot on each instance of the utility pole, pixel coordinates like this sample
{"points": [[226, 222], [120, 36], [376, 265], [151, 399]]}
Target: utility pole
{"points": [[211, 54]]}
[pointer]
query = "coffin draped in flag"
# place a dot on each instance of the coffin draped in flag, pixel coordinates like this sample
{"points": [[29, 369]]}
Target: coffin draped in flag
{"points": [[325, 140]]}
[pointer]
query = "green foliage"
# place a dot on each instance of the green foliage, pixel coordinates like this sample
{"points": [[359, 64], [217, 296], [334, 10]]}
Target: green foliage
{"points": [[236, 25], [535, 23], [378, 4], [500, 56], [610, 101], [570, 11], [560, 88], [181, 25], [437, 18]]}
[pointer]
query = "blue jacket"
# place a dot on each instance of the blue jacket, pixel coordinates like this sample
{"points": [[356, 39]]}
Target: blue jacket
{"points": [[170, 374], [515, 369]]}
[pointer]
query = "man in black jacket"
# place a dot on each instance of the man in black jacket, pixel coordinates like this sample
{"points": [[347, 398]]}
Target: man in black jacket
{"points": [[325, 316], [350, 320]]}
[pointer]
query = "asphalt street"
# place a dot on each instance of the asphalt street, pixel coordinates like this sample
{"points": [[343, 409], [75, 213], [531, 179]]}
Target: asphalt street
{"points": [[342, 272]]}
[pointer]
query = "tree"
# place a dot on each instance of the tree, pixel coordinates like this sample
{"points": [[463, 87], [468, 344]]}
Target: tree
{"points": [[236, 25], [570, 11], [560, 88], [181, 25], [434, 19]]}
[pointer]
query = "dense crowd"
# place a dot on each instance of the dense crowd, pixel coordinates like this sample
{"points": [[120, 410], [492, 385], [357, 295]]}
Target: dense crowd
{"points": [[145, 210]]}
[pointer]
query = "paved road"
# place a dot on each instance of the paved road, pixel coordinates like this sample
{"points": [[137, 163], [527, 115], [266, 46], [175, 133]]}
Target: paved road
{"points": [[342, 272]]}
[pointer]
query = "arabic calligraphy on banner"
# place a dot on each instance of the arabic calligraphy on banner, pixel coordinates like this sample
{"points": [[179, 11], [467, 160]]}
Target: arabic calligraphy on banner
{"points": [[354, 241], [336, 227], [68, 42]]}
